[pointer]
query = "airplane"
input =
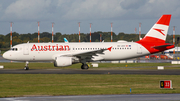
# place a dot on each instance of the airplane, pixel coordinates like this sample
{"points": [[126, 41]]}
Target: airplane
{"points": [[175, 49], [66, 54], [170, 52]]}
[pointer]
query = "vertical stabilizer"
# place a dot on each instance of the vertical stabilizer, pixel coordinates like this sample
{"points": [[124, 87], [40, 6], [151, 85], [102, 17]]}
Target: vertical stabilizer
{"points": [[154, 40], [159, 31]]}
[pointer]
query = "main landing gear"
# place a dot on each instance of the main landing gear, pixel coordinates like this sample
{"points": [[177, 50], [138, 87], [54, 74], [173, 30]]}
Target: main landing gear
{"points": [[84, 66], [26, 66]]}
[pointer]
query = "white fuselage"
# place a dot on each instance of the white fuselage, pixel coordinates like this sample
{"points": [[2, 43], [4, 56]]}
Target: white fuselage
{"points": [[175, 49], [49, 51]]}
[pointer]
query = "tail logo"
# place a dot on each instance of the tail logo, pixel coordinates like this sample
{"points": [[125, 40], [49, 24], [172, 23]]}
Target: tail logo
{"points": [[159, 30]]}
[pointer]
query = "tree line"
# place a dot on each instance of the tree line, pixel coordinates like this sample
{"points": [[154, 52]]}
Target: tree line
{"points": [[58, 37]]}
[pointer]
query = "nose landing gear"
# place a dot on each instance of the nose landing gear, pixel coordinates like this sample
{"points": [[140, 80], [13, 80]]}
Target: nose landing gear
{"points": [[26, 66]]}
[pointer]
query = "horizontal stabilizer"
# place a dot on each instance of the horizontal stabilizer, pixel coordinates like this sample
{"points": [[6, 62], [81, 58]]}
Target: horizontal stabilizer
{"points": [[161, 46]]}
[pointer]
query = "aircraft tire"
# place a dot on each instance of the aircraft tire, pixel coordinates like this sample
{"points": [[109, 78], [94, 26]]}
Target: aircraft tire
{"points": [[26, 68], [84, 66]]}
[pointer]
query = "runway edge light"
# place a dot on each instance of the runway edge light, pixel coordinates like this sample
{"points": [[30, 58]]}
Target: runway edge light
{"points": [[166, 84]]}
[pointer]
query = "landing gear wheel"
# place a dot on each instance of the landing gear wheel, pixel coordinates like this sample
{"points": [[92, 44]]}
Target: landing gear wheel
{"points": [[84, 66], [26, 68]]}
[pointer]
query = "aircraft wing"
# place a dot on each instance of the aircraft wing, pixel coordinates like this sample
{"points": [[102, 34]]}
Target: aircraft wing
{"points": [[87, 54]]}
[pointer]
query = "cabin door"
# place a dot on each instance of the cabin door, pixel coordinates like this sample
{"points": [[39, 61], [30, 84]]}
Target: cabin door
{"points": [[139, 49], [26, 49]]}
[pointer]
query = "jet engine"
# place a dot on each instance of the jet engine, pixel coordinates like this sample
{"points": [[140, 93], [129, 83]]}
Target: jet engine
{"points": [[63, 61]]}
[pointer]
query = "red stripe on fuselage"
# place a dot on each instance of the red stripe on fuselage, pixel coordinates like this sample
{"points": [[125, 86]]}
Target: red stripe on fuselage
{"points": [[150, 42]]}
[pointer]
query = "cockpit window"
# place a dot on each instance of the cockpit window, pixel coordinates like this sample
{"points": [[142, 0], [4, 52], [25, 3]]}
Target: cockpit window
{"points": [[14, 49]]}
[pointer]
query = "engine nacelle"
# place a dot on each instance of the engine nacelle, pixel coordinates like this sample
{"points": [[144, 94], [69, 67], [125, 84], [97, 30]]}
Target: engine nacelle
{"points": [[63, 61]]}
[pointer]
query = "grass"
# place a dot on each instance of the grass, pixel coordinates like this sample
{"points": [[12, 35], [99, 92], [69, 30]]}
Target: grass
{"points": [[14, 85], [17, 65]]}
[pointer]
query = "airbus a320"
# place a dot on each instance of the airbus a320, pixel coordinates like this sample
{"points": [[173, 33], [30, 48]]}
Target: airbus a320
{"points": [[68, 53]]}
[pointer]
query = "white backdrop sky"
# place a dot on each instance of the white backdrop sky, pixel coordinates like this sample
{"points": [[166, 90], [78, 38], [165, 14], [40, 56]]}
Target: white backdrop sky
{"points": [[124, 14]]}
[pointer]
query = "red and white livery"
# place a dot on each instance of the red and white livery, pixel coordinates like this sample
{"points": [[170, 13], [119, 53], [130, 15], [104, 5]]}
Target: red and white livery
{"points": [[66, 54]]}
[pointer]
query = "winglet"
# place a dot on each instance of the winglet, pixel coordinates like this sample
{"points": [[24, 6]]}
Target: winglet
{"points": [[66, 41]]}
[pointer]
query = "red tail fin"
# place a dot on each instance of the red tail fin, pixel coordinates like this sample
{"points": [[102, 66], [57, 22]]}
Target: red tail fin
{"points": [[154, 41], [159, 31]]}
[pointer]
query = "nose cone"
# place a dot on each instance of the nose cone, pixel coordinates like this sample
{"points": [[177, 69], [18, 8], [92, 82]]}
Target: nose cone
{"points": [[6, 55]]}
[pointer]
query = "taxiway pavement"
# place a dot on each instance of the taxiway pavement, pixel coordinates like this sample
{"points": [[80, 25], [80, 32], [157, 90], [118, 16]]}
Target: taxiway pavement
{"points": [[133, 97], [74, 71]]}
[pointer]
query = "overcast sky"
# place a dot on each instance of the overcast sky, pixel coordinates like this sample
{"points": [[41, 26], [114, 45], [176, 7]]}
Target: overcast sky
{"points": [[124, 14]]}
